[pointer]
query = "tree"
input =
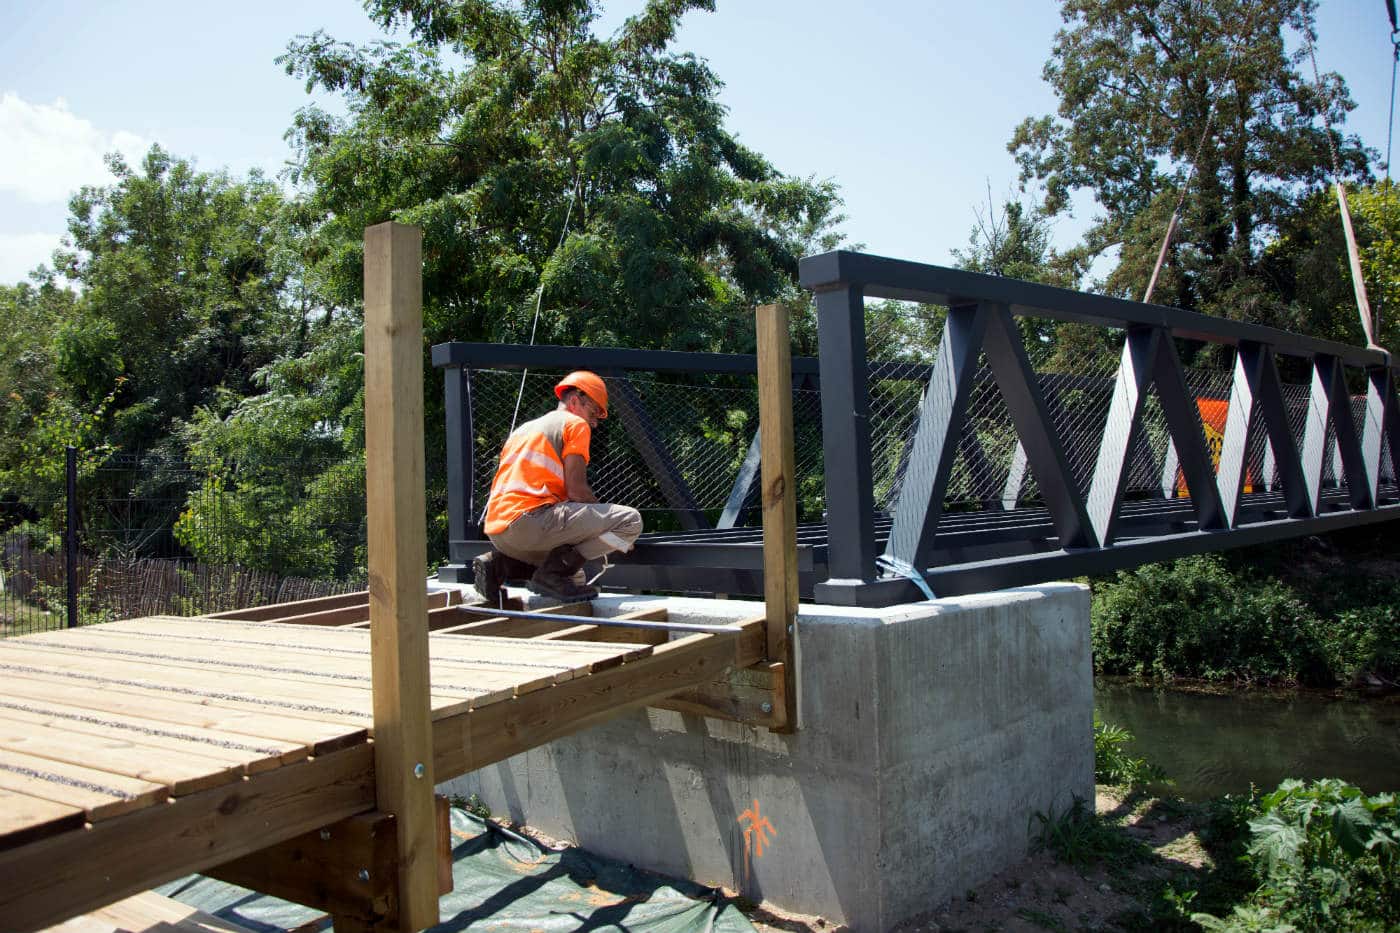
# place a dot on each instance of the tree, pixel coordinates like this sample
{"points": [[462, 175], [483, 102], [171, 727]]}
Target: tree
{"points": [[1150, 91], [1309, 266], [183, 280], [591, 176]]}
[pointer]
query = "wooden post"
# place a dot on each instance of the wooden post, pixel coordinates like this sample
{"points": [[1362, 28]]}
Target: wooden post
{"points": [[403, 747], [779, 499]]}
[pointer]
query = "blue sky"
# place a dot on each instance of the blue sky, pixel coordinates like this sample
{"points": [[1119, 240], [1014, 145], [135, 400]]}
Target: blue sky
{"points": [[906, 105]]}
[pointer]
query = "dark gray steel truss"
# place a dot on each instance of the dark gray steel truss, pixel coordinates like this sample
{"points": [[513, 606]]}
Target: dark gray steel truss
{"points": [[1330, 478]]}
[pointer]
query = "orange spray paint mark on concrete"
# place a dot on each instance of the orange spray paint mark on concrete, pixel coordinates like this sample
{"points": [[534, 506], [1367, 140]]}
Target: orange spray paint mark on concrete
{"points": [[757, 831]]}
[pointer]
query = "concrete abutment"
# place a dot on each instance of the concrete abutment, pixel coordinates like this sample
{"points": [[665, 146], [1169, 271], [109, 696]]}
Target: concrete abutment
{"points": [[931, 734]]}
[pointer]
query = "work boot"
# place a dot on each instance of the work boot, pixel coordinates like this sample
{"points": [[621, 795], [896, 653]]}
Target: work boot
{"points": [[489, 575], [556, 579], [513, 569]]}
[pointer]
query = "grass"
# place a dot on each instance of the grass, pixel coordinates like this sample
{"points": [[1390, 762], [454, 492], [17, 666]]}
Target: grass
{"points": [[19, 617]]}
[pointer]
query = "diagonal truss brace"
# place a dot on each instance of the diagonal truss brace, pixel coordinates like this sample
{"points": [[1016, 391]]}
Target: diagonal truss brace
{"points": [[1020, 389], [1328, 371], [987, 327], [1150, 357], [1256, 387], [935, 446], [647, 439]]}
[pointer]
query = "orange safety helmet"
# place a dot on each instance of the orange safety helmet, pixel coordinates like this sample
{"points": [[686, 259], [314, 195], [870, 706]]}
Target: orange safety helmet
{"points": [[587, 383]]}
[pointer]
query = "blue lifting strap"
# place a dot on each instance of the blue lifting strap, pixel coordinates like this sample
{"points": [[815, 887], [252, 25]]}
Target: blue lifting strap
{"points": [[905, 569]]}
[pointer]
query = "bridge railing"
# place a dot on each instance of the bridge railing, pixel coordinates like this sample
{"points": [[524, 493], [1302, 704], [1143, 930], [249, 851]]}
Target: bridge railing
{"points": [[1229, 448], [680, 442]]}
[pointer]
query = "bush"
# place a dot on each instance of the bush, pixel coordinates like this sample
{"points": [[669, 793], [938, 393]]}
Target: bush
{"points": [[1326, 857], [1199, 617], [1112, 763]]}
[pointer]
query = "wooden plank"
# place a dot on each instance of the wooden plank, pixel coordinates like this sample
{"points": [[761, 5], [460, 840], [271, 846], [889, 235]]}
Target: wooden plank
{"points": [[477, 738], [394, 479], [298, 607], [183, 774], [779, 500], [209, 681], [257, 752], [101, 795], [147, 912], [483, 672], [24, 819], [317, 640], [316, 737], [321, 671], [605, 633], [69, 874], [290, 612], [340, 705], [251, 756], [356, 727]]}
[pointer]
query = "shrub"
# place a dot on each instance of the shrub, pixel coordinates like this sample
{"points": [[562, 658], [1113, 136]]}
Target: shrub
{"points": [[1198, 617], [1327, 857], [1113, 764]]}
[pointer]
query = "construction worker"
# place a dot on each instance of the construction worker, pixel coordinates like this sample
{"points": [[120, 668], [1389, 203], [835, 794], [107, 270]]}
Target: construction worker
{"points": [[542, 515]]}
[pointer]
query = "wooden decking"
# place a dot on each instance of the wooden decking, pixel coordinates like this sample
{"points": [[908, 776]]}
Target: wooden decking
{"points": [[137, 751]]}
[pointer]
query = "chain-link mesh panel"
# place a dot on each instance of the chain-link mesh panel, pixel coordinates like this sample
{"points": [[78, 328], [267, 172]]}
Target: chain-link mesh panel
{"points": [[1075, 367], [696, 429]]}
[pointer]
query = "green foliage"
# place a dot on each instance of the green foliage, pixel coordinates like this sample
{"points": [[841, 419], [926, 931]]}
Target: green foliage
{"points": [[1078, 837], [27, 379], [548, 167], [597, 168], [473, 805], [1112, 763], [1327, 857], [1136, 81], [183, 277], [1200, 617]]}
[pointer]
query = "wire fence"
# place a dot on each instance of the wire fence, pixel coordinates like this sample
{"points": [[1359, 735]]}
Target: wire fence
{"points": [[701, 427], [157, 537], [1076, 367]]}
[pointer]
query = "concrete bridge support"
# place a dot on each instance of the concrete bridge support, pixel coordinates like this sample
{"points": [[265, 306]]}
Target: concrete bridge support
{"points": [[931, 733]]}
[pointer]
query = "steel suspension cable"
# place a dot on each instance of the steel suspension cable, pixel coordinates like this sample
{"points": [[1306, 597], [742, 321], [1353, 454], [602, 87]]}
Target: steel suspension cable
{"points": [[1358, 281]]}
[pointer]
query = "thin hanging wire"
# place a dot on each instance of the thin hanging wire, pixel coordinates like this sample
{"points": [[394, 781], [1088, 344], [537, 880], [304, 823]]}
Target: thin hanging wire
{"points": [[1389, 137], [539, 296], [1180, 200]]}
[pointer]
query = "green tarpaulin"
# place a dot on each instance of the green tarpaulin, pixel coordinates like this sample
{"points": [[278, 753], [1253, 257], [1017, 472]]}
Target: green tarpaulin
{"points": [[504, 881]]}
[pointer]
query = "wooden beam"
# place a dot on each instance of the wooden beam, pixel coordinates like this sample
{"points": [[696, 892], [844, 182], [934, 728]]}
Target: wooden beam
{"points": [[779, 500], [348, 869], [55, 878], [476, 738], [398, 561], [750, 695]]}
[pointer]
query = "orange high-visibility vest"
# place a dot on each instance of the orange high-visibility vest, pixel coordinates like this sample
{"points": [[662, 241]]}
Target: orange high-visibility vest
{"points": [[531, 471]]}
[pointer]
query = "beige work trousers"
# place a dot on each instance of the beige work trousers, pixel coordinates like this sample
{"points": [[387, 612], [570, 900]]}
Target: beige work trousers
{"points": [[595, 528]]}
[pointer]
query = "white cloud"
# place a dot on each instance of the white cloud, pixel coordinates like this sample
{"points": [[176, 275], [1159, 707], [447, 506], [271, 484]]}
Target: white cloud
{"points": [[21, 252], [49, 152]]}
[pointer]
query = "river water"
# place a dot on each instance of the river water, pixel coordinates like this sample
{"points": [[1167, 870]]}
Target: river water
{"points": [[1211, 745]]}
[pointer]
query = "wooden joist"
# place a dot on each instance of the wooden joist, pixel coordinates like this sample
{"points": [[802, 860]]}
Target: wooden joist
{"points": [[348, 870], [71, 873]]}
